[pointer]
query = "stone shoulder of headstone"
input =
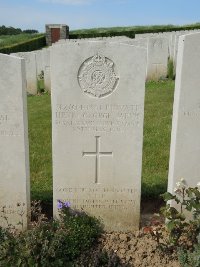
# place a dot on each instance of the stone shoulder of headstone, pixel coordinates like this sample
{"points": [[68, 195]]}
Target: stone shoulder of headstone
{"points": [[137, 42], [31, 70]]}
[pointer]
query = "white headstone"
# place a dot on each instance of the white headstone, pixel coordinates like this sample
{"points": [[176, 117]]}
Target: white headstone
{"points": [[39, 62], [143, 35], [171, 45], [137, 42], [175, 52], [185, 138], [47, 71], [97, 123], [31, 70], [14, 154], [158, 53]]}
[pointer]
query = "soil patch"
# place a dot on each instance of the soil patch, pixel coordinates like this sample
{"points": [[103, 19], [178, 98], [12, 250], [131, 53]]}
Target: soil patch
{"points": [[133, 249], [136, 249]]}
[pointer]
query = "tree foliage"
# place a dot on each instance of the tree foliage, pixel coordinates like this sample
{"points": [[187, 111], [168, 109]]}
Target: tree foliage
{"points": [[13, 31]]}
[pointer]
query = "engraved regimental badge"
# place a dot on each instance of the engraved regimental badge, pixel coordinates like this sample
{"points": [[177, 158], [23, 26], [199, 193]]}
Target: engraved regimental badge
{"points": [[97, 76]]}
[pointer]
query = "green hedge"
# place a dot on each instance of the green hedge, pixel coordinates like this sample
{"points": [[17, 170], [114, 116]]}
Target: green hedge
{"points": [[93, 33], [29, 45], [130, 34]]}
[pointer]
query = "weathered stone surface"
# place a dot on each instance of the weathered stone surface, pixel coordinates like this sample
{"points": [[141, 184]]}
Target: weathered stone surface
{"points": [[157, 58], [47, 70], [14, 155], [39, 62], [185, 138], [97, 122], [31, 70]]}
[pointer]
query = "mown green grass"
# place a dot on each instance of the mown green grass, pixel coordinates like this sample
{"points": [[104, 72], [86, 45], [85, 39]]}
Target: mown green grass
{"points": [[157, 135], [157, 130], [39, 116], [6, 40]]}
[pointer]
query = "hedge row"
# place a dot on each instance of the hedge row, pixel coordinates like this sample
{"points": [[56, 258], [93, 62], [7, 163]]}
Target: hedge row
{"points": [[131, 33], [39, 42], [30, 45]]}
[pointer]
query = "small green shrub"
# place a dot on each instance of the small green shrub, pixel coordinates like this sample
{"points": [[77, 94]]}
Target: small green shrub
{"points": [[183, 232], [40, 83], [190, 259], [49, 243], [3, 234], [170, 69]]}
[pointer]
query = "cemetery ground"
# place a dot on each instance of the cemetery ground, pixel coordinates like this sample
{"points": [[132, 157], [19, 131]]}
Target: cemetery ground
{"points": [[7, 40], [114, 249], [157, 130]]}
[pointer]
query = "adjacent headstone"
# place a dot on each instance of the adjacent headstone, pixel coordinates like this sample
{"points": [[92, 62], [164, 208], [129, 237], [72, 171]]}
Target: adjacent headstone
{"points": [[31, 70], [39, 63], [47, 70], [14, 155], [143, 35], [137, 42], [176, 41], [185, 138], [157, 58], [171, 45], [175, 52], [97, 123], [55, 32]]}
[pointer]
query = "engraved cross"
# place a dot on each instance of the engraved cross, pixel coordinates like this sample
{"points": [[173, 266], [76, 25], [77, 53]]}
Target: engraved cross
{"points": [[98, 154]]}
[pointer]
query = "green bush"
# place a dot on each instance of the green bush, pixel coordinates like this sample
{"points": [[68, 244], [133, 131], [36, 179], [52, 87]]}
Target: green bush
{"points": [[130, 34], [49, 243], [128, 31], [40, 83], [9, 30], [190, 259], [30, 45], [183, 232], [170, 69]]}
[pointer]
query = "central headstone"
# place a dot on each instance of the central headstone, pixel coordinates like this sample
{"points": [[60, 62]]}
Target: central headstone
{"points": [[98, 107]]}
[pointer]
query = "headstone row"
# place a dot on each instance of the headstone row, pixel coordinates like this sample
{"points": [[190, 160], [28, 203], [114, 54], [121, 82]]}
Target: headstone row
{"points": [[97, 125], [37, 64], [160, 48]]}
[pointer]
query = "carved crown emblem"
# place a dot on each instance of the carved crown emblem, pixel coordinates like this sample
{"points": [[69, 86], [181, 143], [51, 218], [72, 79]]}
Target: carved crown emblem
{"points": [[97, 76]]}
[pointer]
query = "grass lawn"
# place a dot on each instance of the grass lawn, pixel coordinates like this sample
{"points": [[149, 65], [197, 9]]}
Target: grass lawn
{"points": [[6, 40], [39, 113], [157, 129], [157, 134]]}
